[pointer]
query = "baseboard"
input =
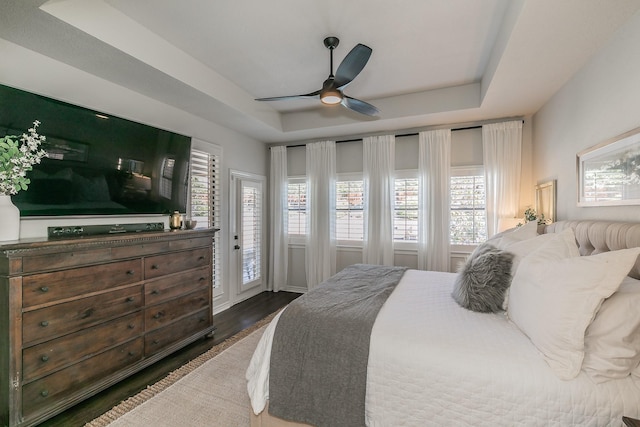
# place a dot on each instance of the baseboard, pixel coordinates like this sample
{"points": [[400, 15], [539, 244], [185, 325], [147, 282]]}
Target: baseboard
{"points": [[222, 307], [296, 289]]}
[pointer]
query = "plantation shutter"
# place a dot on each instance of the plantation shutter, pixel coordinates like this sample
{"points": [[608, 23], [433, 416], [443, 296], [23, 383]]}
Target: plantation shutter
{"points": [[251, 231], [205, 201], [468, 221]]}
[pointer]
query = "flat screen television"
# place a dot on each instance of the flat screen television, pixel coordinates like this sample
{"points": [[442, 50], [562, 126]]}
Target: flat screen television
{"points": [[96, 164]]}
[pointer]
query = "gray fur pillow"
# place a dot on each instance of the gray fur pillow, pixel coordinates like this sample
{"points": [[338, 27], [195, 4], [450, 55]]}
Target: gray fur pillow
{"points": [[483, 280]]}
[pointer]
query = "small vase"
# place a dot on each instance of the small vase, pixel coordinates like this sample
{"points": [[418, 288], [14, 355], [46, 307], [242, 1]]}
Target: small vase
{"points": [[9, 219]]}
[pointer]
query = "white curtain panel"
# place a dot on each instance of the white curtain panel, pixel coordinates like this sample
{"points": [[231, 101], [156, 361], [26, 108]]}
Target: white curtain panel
{"points": [[321, 212], [434, 170], [502, 158], [378, 171], [279, 242]]}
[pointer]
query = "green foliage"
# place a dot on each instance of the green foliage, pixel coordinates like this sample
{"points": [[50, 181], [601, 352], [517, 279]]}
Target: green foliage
{"points": [[531, 215], [18, 154]]}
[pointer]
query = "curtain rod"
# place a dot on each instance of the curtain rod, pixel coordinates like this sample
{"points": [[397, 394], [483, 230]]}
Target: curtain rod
{"points": [[397, 136]]}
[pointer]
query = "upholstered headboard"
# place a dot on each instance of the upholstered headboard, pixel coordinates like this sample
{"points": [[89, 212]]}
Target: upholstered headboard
{"points": [[595, 237]]}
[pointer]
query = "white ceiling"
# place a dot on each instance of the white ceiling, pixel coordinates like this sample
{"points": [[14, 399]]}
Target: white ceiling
{"points": [[434, 61]]}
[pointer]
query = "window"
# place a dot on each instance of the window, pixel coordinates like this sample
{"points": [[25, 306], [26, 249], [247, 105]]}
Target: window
{"points": [[349, 210], [297, 206], [468, 219], [205, 201], [405, 211], [251, 233]]}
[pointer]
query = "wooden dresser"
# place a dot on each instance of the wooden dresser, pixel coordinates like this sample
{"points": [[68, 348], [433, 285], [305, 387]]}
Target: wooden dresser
{"points": [[78, 315]]}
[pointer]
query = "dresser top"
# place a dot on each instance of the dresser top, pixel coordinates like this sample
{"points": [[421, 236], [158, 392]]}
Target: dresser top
{"points": [[43, 243]]}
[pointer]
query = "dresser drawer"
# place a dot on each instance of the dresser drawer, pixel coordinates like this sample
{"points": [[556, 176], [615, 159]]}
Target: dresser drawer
{"points": [[174, 332], [170, 311], [65, 259], [165, 288], [50, 287], [50, 356], [194, 242], [140, 250], [161, 265], [51, 322], [51, 389]]}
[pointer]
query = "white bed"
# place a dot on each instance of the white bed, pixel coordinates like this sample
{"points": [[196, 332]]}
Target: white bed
{"points": [[432, 362]]}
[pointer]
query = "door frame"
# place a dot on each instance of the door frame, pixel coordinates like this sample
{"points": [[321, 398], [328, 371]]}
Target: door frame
{"points": [[238, 292]]}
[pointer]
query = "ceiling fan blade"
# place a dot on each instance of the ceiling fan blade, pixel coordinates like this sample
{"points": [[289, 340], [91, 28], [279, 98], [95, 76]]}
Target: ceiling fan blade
{"points": [[351, 65], [360, 106], [281, 98]]}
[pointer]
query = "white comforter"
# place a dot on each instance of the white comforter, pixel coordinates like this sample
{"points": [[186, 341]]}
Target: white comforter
{"points": [[434, 363]]}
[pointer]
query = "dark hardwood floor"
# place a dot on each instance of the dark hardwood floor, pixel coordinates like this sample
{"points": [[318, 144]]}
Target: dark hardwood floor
{"points": [[227, 323]]}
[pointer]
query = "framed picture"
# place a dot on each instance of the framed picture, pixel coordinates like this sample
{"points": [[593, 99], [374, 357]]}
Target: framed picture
{"points": [[609, 173], [546, 200]]}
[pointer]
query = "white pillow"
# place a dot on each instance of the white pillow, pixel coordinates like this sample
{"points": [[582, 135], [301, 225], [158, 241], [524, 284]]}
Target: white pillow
{"points": [[555, 295], [526, 231], [612, 341], [521, 248]]}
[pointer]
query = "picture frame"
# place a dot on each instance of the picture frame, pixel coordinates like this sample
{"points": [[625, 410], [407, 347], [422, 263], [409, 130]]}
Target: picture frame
{"points": [[546, 200], [608, 174]]}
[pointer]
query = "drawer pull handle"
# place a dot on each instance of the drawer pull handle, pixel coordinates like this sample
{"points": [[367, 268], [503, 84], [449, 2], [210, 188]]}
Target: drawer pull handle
{"points": [[44, 323], [130, 272], [155, 341], [131, 326], [44, 289], [87, 313], [131, 353], [158, 315], [44, 393], [154, 292], [202, 279], [154, 266], [202, 319], [130, 299], [200, 258], [45, 358]]}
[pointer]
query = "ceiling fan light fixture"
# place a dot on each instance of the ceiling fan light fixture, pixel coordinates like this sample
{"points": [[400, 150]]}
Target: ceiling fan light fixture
{"points": [[331, 92], [331, 97]]}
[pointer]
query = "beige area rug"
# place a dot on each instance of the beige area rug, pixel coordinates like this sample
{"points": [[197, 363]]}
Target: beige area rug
{"points": [[211, 390]]}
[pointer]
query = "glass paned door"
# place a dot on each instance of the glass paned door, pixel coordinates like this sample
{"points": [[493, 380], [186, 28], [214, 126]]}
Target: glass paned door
{"points": [[251, 234], [248, 229]]}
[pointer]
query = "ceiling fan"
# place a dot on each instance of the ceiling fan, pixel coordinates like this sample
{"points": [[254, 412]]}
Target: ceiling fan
{"points": [[332, 88]]}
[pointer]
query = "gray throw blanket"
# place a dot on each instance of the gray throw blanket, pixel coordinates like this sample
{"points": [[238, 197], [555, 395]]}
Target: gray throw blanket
{"points": [[318, 370]]}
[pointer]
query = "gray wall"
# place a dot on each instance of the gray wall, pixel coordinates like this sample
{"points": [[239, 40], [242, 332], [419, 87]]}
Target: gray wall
{"points": [[36, 73], [600, 102], [466, 150]]}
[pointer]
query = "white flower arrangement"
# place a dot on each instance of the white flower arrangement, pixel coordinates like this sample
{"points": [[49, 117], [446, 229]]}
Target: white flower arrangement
{"points": [[18, 154]]}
